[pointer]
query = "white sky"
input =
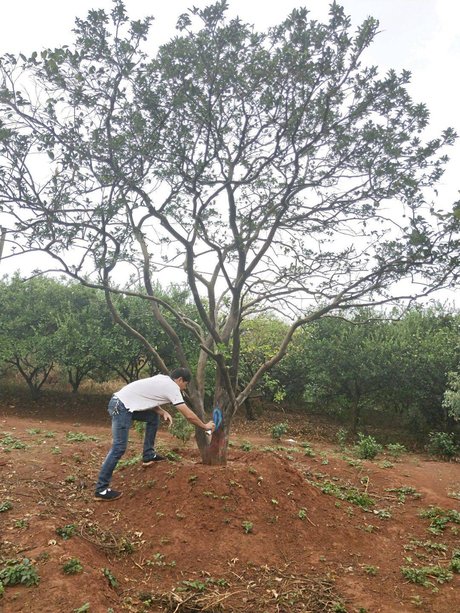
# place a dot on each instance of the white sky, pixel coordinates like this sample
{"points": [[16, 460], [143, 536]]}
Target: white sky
{"points": [[422, 36]]}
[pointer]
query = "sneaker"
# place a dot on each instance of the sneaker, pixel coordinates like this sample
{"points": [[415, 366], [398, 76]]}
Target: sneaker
{"points": [[107, 494], [156, 458]]}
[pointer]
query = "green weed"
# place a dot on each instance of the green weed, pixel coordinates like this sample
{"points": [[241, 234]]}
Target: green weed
{"points": [[79, 437], [19, 572], [403, 492], [66, 532], [10, 442], [110, 578], [422, 575], [5, 506], [439, 518], [350, 494], [72, 566]]}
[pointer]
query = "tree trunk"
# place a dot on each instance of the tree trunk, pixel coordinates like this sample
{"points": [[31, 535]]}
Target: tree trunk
{"points": [[250, 415], [213, 449], [215, 452]]}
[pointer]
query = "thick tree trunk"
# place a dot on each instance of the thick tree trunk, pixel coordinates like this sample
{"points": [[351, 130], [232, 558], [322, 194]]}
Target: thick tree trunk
{"points": [[213, 449], [215, 453]]}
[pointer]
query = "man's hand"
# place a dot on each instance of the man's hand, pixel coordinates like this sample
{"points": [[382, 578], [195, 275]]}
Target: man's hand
{"points": [[165, 415], [210, 426]]}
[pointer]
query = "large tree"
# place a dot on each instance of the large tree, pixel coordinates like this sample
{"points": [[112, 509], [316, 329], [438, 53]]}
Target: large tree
{"points": [[274, 170]]}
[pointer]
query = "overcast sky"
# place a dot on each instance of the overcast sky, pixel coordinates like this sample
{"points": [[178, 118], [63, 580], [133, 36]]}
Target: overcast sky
{"points": [[422, 36]]}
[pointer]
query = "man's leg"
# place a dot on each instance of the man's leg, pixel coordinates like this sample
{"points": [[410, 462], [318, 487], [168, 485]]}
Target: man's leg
{"points": [[151, 419], [121, 423]]}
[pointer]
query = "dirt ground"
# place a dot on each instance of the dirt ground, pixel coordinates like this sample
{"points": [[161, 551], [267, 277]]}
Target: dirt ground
{"points": [[296, 525]]}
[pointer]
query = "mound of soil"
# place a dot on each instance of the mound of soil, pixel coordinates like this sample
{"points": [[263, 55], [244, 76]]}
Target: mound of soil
{"points": [[285, 527]]}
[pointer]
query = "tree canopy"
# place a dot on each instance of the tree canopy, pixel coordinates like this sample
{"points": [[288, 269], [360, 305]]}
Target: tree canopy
{"points": [[274, 170]]}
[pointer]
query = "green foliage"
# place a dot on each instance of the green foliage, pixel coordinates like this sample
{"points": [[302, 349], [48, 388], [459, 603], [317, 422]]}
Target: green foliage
{"points": [[67, 531], [248, 526], [80, 437], [367, 364], [72, 566], [6, 505], [455, 561], [442, 445], [422, 575], [11, 442], [19, 572], [440, 518], [451, 400], [181, 428], [350, 494], [110, 578], [279, 430], [342, 435], [302, 514], [395, 450], [367, 447], [403, 491], [28, 316]]}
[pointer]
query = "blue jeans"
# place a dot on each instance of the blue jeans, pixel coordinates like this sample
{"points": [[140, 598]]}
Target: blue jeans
{"points": [[122, 420]]}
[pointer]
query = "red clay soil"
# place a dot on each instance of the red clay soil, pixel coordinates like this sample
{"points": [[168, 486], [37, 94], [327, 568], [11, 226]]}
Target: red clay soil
{"points": [[278, 530]]}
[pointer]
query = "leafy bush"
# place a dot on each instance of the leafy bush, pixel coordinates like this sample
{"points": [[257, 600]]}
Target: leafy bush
{"points": [[342, 435], [442, 445], [18, 572], [181, 428], [396, 449], [279, 430], [367, 447]]}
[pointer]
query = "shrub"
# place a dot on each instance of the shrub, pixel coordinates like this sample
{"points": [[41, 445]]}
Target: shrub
{"points": [[396, 449], [367, 447], [442, 445], [181, 428], [279, 430]]}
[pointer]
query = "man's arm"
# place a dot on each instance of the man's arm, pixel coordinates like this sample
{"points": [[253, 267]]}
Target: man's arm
{"points": [[194, 419]]}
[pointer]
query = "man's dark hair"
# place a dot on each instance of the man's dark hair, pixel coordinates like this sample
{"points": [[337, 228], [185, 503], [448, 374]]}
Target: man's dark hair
{"points": [[181, 373]]}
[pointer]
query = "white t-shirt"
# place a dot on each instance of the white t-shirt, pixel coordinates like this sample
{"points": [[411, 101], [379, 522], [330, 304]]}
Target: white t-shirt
{"points": [[151, 392]]}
